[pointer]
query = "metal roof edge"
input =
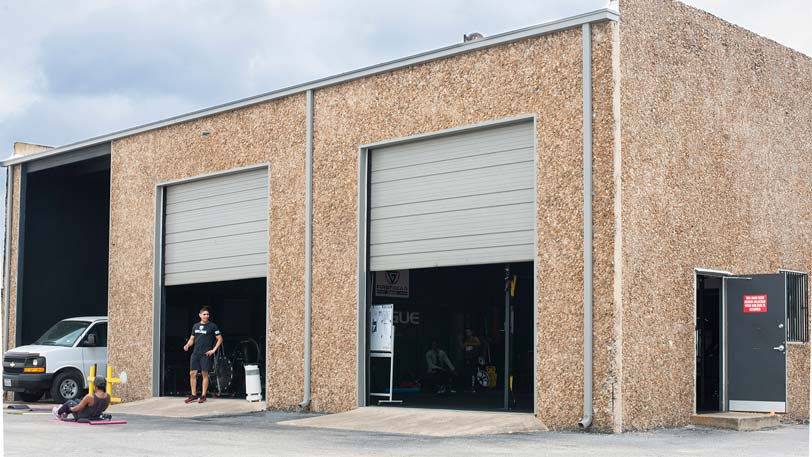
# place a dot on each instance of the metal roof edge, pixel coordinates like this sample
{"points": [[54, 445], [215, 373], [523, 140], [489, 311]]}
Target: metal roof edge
{"points": [[600, 15]]}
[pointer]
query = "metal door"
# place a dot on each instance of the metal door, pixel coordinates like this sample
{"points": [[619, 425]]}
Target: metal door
{"points": [[756, 343]]}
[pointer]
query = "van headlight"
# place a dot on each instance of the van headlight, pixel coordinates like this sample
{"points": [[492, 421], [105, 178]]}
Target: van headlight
{"points": [[34, 365]]}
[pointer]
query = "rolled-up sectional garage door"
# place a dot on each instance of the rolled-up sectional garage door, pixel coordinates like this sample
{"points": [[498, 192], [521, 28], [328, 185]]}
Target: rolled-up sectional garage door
{"points": [[217, 229], [461, 199]]}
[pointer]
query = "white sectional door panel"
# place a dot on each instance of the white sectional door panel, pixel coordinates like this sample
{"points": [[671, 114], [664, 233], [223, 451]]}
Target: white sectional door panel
{"points": [[216, 229], [462, 199]]}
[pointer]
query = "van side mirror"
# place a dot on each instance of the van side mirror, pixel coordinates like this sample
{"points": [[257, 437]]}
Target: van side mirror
{"points": [[91, 340]]}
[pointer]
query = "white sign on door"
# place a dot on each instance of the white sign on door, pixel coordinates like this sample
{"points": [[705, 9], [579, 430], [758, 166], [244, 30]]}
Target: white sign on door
{"points": [[392, 283], [380, 328]]}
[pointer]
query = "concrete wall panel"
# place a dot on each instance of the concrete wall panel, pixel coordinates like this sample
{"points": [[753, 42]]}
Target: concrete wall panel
{"points": [[480, 86], [716, 174], [798, 380], [272, 132], [13, 230]]}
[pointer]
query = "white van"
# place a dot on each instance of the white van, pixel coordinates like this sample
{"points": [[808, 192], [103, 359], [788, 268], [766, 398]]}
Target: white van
{"points": [[59, 361]]}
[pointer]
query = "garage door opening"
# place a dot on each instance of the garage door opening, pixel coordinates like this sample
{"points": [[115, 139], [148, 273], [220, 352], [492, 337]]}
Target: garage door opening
{"points": [[215, 253], [238, 309], [65, 235], [448, 213], [460, 311], [708, 344]]}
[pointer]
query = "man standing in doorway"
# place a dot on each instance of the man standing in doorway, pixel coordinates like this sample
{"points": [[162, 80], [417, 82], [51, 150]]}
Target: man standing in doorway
{"points": [[206, 339]]}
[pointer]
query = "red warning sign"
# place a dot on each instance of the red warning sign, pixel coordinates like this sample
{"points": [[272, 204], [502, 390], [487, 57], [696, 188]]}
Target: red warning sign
{"points": [[755, 303]]}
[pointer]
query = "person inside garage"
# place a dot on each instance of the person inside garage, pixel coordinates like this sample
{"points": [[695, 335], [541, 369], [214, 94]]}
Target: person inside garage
{"points": [[205, 340], [471, 346], [439, 368]]}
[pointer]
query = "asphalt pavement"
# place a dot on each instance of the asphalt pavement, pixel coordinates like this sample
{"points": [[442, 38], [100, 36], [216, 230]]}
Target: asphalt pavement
{"points": [[261, 434]]}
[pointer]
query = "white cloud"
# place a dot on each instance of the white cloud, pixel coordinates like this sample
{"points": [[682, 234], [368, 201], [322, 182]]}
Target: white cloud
{"points": [[122, 63]]}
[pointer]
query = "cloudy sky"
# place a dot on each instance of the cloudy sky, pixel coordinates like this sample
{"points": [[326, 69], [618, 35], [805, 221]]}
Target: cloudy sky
{"points": [[71, 70]]}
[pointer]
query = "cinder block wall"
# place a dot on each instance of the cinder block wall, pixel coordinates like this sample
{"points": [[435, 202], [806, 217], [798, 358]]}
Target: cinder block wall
{"points": [[716, 174]]}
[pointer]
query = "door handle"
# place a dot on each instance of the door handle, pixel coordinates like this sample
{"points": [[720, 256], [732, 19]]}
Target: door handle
{"points": [[779, 348]]}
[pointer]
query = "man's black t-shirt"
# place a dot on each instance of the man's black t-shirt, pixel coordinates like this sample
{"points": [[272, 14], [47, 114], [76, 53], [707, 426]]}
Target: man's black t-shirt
{"points": [[204, 336]]}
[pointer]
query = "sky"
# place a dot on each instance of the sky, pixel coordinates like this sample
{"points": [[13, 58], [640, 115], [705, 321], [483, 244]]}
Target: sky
{"points": [[71, 70]]}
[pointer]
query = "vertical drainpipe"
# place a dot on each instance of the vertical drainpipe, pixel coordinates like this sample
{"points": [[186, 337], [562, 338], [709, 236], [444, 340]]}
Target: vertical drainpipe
{"points": [[7, 256], [586, 420], [305, 404]]}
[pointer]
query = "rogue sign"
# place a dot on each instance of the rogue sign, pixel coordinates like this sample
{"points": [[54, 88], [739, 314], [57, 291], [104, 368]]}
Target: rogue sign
{"points": [[755, 303]]}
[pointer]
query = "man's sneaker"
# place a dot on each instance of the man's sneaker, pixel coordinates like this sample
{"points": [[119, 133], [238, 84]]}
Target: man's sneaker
{"points": [[55, 412], [202, 399], [190, 399]]}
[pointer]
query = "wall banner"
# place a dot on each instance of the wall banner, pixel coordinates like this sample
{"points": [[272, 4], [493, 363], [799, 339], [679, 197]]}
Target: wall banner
{"points": [[393, 283]]}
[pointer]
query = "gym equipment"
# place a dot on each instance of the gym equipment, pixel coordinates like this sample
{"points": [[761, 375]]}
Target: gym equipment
{"points": [[223, 371]]}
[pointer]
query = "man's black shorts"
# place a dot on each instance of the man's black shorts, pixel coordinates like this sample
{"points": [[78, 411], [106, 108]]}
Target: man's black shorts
{"points": [[200, 362]]}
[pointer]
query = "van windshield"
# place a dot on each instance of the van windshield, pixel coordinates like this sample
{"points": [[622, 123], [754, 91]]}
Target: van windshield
{"points": [[63, 333]]}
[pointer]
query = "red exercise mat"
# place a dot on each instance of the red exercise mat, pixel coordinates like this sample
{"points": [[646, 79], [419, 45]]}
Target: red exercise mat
{"points": [[118, 422]]}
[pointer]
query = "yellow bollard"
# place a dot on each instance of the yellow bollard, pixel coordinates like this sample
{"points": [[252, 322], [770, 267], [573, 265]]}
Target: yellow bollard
{"points": [[92, 375], [110, 380]]}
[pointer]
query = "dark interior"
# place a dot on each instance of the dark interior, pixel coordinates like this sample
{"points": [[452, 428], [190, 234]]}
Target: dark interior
{"points": [[442, 303], [238, 309], [65, 245], [708, 354]]}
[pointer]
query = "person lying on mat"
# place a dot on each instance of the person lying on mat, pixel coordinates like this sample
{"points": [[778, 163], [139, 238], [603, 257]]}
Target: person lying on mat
{"points": [[91, 407]]}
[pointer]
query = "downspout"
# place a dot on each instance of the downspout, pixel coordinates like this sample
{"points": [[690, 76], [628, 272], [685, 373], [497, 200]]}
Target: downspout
{"points": [[586, 420], [305, 404], [7, 256]]}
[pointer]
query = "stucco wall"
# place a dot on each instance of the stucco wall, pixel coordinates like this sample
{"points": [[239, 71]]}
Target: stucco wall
{"points": [[272, 132], [475, 87], [716, 174]]}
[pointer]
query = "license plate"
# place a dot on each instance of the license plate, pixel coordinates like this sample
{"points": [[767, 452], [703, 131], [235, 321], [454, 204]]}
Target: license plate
{"points": [[7, 382]]}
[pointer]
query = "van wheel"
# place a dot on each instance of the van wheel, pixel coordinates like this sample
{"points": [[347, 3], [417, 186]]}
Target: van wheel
{"points": [[30, 397], [66, 386]]}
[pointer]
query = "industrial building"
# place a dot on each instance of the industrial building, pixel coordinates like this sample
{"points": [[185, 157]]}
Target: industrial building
{"points": [[614, 205]]}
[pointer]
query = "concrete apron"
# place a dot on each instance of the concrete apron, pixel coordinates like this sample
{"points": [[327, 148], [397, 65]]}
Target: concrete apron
{"points": [[737, 420], [426, 422], [175, 407]]}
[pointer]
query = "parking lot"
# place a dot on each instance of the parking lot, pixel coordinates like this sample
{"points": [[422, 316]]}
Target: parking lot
{"points": [[262, 434]]}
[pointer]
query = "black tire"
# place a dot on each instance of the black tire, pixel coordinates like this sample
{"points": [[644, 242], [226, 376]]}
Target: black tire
{"points": [[66, 386], [30, 397]]}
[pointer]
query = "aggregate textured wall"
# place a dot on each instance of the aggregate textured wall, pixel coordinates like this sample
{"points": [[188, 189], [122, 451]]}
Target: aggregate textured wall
{"points": [[12, 230], [20, 149], [716, 174], [271, 132], [479, 86], [798, 380]]}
